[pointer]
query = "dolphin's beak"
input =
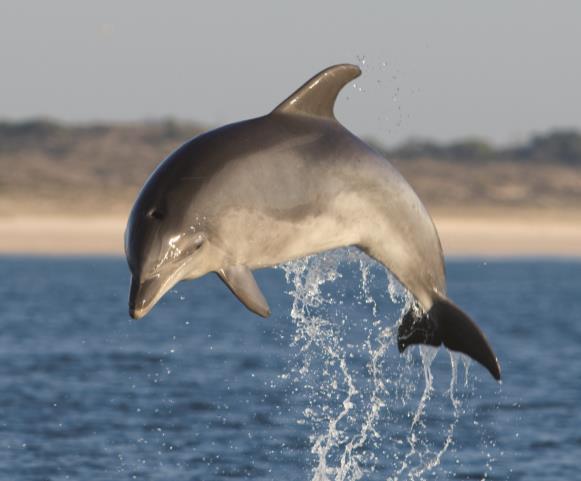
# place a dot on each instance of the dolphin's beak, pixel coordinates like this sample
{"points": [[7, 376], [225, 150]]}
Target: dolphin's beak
{"points": [[143, 295]]}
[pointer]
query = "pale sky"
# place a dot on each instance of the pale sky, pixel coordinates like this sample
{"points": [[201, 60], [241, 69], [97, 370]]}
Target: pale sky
{"points": [[495, 69]]}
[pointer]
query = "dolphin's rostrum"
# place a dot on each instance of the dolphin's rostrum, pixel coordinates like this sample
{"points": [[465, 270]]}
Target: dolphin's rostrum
{"points": [[292, 183]]}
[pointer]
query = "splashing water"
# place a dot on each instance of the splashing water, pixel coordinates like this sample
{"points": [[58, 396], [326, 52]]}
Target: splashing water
{"points": [[364, 405]]}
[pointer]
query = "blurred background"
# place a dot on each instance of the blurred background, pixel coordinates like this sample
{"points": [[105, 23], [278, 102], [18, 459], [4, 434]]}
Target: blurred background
{"points": [[477, 104]]}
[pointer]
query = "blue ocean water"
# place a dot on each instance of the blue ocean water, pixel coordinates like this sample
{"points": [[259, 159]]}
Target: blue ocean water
{"points": [[201, 389]]}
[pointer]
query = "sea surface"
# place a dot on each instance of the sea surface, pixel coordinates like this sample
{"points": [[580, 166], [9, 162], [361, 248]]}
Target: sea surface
{"points": [[201, 389]]}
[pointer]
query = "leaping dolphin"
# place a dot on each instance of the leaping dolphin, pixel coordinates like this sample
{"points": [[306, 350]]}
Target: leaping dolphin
{"points": [[289, 184]]}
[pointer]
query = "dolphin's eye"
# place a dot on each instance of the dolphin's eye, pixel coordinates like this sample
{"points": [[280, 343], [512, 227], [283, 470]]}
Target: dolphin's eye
{"points": [[155, 214]]}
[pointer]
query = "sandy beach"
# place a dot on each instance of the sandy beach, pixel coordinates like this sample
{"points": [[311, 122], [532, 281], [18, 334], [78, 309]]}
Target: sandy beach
{"points": [[62, 235], [509, 237], [462, 235]]}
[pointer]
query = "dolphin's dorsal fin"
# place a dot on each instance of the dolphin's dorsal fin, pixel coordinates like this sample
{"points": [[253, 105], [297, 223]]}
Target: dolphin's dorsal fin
{"points": [[241, 282], [317, 96]]}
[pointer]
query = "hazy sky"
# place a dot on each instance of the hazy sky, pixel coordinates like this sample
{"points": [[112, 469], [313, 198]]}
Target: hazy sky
{"points": [[438, 69]]}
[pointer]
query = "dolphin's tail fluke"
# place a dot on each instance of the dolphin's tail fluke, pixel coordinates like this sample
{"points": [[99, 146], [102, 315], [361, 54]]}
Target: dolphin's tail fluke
{"points": [[446, 324]]}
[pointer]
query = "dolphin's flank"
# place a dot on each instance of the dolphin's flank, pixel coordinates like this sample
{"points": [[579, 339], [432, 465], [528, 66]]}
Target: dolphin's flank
{"points": [[292, 183]]}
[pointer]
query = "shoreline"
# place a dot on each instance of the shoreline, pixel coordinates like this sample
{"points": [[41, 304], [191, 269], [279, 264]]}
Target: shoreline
{"points": [[462, 235]]}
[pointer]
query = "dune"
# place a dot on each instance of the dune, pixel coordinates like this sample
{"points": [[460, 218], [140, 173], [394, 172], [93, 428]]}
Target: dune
{"points": [[67, 189]]}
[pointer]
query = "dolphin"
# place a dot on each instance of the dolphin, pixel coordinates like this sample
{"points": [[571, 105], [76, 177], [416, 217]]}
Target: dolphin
{"points": [[292, 183]]}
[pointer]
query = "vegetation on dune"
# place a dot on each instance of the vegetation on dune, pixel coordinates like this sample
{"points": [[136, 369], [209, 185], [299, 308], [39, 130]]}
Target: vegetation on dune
{"points": [[562, 146], [558, 146]]}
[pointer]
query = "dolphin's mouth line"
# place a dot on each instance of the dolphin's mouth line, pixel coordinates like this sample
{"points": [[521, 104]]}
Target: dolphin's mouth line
{"points": [[138, 312]]}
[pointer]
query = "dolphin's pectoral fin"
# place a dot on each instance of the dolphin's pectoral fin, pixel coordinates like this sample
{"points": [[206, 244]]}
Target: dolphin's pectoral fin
{"points": [[445, 323], [317, 96], [241, 282]]}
